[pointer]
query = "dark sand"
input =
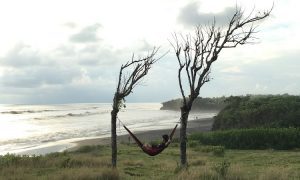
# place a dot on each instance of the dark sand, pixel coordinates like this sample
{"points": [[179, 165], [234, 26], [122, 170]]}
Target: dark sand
{"points": [[199, 125]]}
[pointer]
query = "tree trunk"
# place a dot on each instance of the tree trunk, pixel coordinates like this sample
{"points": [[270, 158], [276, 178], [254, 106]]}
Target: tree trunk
{"points": [[113, 138], [114, 114], [183, 139]]}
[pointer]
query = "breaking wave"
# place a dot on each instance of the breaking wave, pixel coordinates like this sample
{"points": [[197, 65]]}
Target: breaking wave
{"points": [[26, 111]]}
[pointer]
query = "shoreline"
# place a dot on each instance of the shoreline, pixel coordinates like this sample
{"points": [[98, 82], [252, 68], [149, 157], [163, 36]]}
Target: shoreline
{"points": [[195, 125], [198, 125]]}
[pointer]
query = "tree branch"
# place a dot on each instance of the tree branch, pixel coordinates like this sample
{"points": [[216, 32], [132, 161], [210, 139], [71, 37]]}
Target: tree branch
{"points": [[141, 66], [197, 54]]}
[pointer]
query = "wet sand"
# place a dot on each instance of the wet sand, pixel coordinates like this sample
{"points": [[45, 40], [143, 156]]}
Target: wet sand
{"points": [[199, 125]]}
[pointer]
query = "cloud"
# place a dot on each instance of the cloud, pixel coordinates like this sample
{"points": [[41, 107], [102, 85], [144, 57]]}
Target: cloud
{"points": [[93, 55], [79, 70], [233, 70], [86, 35], [144, 45], [190, 15], [68, 73], [71, 25], [273, 76], [39, 76], [260, 88], [21, 55], [25, 67]]}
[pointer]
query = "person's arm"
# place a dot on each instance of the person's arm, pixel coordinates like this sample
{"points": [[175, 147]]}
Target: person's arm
{"points": [[146, 145], [168, 142]]}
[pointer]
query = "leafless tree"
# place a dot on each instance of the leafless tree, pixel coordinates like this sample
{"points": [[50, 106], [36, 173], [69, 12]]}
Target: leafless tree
{"points": [[195, 55], [130, 76]]}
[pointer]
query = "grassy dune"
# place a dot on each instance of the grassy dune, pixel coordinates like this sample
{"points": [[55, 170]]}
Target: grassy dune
{"points": [[205, 162]]}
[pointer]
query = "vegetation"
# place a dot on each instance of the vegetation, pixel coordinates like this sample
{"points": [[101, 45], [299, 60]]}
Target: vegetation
{"points": [[205, 104], [275, 111], [93, 162], [259, 138]]}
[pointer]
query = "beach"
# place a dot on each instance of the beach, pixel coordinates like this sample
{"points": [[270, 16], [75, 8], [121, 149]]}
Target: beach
{"points": [[198, 125], [43, 129]]}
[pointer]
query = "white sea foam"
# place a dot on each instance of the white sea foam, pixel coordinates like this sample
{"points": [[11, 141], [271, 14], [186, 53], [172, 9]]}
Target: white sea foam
{"points": [[39, 129]]}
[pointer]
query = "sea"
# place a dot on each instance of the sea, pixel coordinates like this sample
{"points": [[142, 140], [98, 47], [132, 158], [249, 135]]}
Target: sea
{"points": [[42, 129]]}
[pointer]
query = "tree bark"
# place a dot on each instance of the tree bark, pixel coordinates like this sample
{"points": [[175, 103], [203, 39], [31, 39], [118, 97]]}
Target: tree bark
{"points": [[113, 138], [183, 138], [114, 114]]}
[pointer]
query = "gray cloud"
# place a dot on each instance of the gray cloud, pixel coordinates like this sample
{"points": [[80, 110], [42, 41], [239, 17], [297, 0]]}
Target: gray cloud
{"points": [[190, 15], [274, 76], [89, 62], [145, 46], [86, 35], [88, 73], [90, 54], [21, 55], [38, 76], [69, 73], [57, 94], [101, 58], [94, 54]]}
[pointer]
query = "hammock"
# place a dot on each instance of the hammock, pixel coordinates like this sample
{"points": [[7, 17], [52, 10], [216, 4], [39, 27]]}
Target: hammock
{"points": [[151, 151]]}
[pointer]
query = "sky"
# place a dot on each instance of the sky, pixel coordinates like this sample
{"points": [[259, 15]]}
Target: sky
{"points": [[64, 51]]}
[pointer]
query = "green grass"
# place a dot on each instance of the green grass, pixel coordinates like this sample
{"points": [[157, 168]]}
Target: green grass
{"points": [[93, 162], [257, 138]]}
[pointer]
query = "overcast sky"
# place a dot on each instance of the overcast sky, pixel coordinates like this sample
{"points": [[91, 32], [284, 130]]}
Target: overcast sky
{"points": [[63, 51]]}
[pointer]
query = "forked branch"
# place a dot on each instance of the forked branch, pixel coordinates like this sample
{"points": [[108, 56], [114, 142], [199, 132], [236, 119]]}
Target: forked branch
{"points": [[196, 54], [136, 69]]}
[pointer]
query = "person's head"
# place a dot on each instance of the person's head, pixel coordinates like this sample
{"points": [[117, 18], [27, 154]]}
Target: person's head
{"points": [[165, 137]]}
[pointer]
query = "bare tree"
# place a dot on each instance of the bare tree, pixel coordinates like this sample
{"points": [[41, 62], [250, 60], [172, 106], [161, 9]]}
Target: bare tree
{"points": [[130, 76], [195, 55]]}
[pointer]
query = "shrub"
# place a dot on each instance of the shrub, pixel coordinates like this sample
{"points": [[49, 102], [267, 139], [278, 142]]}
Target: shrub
{"points": [[9, 159], [222, 168], [259, 138], [87, 149], [219, 151], [269, 111], [216, 150], [193, 143]]}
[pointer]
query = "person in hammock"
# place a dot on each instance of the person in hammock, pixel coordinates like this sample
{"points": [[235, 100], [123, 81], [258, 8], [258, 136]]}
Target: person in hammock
{"points": [[165, 143], [153, 150]]}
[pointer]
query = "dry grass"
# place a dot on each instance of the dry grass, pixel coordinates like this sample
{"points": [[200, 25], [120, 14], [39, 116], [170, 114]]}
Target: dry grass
{"points": [[279, 173], [94, 163], [85, 174]]}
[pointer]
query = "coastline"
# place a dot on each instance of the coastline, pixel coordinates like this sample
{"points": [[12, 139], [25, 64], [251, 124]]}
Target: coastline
{"points": [[198, 125]]}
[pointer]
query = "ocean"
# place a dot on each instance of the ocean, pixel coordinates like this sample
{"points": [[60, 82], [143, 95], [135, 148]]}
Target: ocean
{"points": [[41, 129]]}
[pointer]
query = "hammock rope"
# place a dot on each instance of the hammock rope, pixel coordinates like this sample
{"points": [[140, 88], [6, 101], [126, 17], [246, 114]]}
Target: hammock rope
{"points": [[152, 151]]}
